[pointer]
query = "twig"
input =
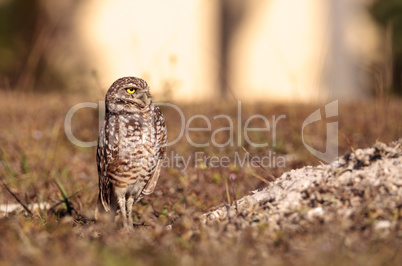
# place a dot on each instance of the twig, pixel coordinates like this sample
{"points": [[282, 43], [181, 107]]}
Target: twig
{"points": [[272, 177], [66, 199], [227, 191], [234, 196], [347, 141], [16, 198], [260, 178]]}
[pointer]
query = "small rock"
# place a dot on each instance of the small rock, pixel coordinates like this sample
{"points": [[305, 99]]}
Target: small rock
{"points": [[382, 225], [315, 213]]}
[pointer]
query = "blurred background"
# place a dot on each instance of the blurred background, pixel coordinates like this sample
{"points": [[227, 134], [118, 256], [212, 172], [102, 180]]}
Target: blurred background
{"points": [[282, 58], [273, 50]]}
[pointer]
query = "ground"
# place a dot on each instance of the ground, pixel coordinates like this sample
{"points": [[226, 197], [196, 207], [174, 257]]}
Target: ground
{"points": [[42, 167]]}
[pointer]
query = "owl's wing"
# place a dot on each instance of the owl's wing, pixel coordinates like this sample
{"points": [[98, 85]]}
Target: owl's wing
{"points": [[151, 184], [160, 146], [101, 159], [161, 133]]}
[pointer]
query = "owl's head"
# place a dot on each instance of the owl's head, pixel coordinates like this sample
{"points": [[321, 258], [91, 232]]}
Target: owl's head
{"points": [[128, 94]]}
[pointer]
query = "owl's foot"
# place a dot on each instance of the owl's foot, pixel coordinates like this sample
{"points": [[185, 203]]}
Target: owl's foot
{"points": [[128, 227]]}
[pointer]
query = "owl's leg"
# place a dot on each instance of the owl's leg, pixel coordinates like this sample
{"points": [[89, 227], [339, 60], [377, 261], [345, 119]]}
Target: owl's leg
{"points": [[129, 203], [122, 205], [99, 210]]}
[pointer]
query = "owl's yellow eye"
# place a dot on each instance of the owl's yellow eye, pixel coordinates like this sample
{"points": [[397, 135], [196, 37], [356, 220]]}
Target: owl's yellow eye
{"points": [[130, 90]]}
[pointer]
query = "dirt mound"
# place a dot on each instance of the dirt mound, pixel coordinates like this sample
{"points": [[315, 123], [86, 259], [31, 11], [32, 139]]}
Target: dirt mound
{"points": [[361, 191]]}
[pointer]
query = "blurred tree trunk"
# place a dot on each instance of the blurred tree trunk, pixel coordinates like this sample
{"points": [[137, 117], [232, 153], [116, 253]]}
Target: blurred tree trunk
{"points": [[32, 33], [18, 23], [388, 14], [231, 15], [397, 74]]}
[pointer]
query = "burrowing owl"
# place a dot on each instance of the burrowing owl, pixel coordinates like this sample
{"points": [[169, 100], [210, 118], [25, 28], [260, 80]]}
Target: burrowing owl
{"points": [[131, 145]]}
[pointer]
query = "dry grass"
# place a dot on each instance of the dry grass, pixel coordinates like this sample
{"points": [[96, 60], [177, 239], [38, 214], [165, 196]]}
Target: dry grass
{"points": [[39, 164]]}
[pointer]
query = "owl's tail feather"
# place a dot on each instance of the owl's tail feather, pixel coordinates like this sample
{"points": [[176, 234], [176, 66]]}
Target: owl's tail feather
{"points": [[102, 214]]}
